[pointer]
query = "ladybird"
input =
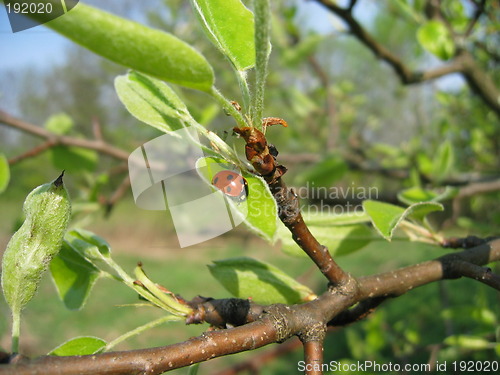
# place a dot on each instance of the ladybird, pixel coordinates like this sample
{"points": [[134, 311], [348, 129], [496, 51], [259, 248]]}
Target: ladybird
{"points": [[232, 184]]}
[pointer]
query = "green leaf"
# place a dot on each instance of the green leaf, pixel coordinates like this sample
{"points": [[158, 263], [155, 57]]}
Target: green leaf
{"points": [[29, 251], [386, 217], [424, 163], [435, 38], [418, 194], [4, 173], [73, 276], [324, 173], [468, 342], [59, 124], [74, 159], [259, 210], [443, 162], [136, 46], [151, 101], [340, 240], [88, 244], [85, 345], [159, 297], [230, 27], [47, 211], [418, 211], [249, 278]]}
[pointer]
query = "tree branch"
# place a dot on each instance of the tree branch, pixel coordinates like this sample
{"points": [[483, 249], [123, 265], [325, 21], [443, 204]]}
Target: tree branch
{"points": [[478, 188], [276, 324], [313, 357], [397, 282], [97, 145], [473, 271], [264, 161], [463, 62], [32, 153], [256, 362], [477, 14]]}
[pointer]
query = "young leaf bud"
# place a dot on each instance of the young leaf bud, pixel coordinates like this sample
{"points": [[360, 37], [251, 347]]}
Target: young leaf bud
{"points": [[47, 209]]}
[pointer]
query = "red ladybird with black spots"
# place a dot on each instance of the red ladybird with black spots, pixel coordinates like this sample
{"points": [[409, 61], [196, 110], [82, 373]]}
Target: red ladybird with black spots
{"points": [[232, 184]]}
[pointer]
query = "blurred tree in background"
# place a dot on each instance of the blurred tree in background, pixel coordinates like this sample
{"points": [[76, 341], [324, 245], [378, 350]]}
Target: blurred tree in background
{"points": [[396, 95]]}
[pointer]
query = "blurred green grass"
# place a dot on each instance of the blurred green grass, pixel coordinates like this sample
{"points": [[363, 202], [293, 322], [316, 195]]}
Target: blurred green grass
{"points": [[137, 235]]}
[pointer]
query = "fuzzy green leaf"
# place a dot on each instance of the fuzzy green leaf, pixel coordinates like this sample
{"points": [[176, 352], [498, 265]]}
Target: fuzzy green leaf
{"points": [[230, 27], [387, 217], [136, 46], [4, 173], [340, 239], [249, 278], [73, 276], [47, 210], [85, 345], [151, 101], [88, 244], [417, 194]]}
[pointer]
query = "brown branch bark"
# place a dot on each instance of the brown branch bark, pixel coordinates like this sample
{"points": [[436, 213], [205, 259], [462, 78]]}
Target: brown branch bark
{"points": [[32, 153], [289, 213], [393, 283], [256, 362], [481, 274], [263, 159], [97, 145], [478, 188], [313, 357]]}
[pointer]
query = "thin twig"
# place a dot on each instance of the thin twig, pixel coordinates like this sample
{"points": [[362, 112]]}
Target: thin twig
{"points": [[97, 145], [463, 62], [118, 194], [481, 274], [477, 14], [32, 153], [96, 129]]}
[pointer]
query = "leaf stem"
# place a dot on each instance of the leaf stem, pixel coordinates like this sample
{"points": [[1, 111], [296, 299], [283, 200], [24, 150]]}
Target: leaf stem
{"points": [[262, 51], [228, 107], [139, 330], [16, 330], [245, 90]]}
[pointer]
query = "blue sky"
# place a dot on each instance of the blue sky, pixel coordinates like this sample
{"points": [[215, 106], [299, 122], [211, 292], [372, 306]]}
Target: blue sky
{"points": [[38, 46]]}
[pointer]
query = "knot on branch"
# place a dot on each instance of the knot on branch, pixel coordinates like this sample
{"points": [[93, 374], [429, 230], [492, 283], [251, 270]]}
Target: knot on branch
{"points": [[288, 205], [223, 312], [280, 316], [313, 332], [347, 286]]}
